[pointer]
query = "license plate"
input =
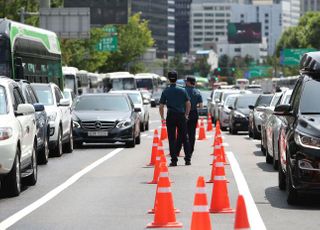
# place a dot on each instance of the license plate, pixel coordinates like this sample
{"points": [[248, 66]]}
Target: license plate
{"points": [[238, 124], [98, 134]]}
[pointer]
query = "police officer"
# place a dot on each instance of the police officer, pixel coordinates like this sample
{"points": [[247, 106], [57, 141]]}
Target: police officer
{"points": [[178, 107], [196, 102]]}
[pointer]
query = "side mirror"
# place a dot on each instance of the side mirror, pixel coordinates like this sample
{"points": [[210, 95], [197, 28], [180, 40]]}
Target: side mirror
{"points": [[64, 102], [282, 110], [80, 91], [230, 107], [38, 107], [137, 110], [24, 109], [251, 107], [217, 101]]}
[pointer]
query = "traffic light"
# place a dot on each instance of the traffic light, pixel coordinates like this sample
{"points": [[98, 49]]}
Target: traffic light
{"points": [[233, 69], [219, 69]]}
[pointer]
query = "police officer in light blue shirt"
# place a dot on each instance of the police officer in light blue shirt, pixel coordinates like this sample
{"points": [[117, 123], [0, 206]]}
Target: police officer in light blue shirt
{"points": [[196, 102], [178, 107]]}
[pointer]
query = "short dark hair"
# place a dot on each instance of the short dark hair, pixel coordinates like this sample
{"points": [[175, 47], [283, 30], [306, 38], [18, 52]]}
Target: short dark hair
{"points": [[191, 80], [172, 76]]}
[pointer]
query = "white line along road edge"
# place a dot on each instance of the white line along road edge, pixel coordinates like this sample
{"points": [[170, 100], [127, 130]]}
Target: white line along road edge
{"points": [[53, 193], [255, 219]]}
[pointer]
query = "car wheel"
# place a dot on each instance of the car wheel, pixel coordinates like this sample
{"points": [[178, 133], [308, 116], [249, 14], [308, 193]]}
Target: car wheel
{"points": [[68, 147], [250, 132], [138, 139], [269, 159], [263, 150], [281, 177], [131, 144], [255, 133], [233, 130], [292, 193], [275, 162], [12, 181], [223, 128], [32, 178], [142, 127], [147, 125], [58, 149], [44, 152]]}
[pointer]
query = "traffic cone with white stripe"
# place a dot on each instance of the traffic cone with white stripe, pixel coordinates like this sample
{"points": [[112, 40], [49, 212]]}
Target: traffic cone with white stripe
{"points": [[200, 215], [164, 134], [223, 153], [164, 172], [217, 135], [165, 216], [220, 202], [156, 170], [154, 148], [241, 220], [202, 132], [209, 123]]}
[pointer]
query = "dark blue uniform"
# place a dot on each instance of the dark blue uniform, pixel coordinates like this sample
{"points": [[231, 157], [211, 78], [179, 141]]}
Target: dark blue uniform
{"points": [[175, 98], [195, 99]]}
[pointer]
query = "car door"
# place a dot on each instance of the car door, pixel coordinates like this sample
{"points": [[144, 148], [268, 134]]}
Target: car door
{"points": [[65, 111], [27, 124]]}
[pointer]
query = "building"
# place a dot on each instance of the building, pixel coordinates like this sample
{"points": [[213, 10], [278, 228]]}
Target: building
{"points": [[161, 17], [182, 24], [310, 5]]}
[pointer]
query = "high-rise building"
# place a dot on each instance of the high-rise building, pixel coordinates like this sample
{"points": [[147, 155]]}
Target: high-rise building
{"points": [[182, 24], [310, 5], [161, 17]]}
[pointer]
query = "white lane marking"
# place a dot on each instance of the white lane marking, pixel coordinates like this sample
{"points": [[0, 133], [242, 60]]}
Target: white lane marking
{"points": [[255, 219], [53, 193], [256, 141], [225, 144], [154, 121], [144, 135]]}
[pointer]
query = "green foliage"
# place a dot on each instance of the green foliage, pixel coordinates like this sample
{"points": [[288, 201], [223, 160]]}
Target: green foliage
{"points": [[134, 40], [202, 67]]}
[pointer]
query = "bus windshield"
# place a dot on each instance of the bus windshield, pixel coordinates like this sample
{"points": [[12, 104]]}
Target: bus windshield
{"points": [[123, 84], [145, 83], [70, 82]]}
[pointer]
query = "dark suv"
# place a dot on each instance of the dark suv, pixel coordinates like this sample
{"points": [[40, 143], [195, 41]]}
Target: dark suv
{"points": [[299, 142]]}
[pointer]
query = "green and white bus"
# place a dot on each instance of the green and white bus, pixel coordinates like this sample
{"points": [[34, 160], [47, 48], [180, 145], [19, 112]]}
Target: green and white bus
{"points": [[29, 53]]}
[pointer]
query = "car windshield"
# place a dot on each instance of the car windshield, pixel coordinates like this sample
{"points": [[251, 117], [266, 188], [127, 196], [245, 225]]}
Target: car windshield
{"points": [[66, 95], [44, 94], [3, 101], [230, 101], [144, 83], [287, 99], [310, 94], [136, 98], [102, 103], [205, 95], [275, 99], [264, 100], [217, 96], [244, 101], [123, 83], [225, 95]]}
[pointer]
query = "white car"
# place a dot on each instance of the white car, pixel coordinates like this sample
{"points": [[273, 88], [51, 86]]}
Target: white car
{"points": [[18, 143], [60, 119], [69, 94], [139, 102]]}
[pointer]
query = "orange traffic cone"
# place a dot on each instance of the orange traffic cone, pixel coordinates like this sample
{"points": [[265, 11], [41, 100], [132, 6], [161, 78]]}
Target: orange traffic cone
{"points": [[214, 160], [156, 170], [160, 148], [223, 153], [165, 216], [200, 215], [202, 132], [154, 148], [220, 202], [164, 134], [209, 123], [164, 172], [241, 220], [217, 135], [218, 124]]}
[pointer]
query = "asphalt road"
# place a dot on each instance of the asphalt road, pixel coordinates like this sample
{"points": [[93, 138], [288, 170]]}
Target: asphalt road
{"points": [[104, 187]]}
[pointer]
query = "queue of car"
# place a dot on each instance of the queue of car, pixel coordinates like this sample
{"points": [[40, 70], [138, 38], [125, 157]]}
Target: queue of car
{"points": [[38, 120]]}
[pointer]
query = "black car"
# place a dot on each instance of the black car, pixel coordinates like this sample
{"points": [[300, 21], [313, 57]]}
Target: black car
{"points": [[41, 119], [155, 98], [239, 115], [299, 143], [105, 118]]}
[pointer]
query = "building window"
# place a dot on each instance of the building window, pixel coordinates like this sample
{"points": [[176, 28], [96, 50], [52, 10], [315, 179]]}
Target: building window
{"points": [[266, 21], [197, 21], [242, 16], [237, 49], [197, 15], [208, 15], [208, 8], [266, 34], [266, 27], [197, 27], [208, 21], [208, 27], [221, 50]]}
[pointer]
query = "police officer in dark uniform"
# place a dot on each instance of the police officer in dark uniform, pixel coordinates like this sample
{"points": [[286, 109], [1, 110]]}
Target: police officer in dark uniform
{"points": [[178, 107], [196, 102]]}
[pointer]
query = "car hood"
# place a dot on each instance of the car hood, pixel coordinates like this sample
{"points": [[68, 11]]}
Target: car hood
{"points": [[309, 124], [50, 109], [101, 115], [243, 111], [6, 120]]}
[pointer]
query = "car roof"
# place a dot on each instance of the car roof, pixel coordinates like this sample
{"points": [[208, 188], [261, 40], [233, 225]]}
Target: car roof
{"points": [[124, 91]]}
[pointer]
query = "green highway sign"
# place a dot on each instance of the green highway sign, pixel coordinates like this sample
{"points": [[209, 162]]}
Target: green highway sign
{"points": [[259, 71], [291, 57], [110, 42]]}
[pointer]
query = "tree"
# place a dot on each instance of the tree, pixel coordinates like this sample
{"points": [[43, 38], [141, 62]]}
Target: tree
{"points": [[133, 41]]}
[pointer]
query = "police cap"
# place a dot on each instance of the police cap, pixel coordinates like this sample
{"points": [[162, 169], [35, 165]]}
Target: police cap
{"points": [[172, 75], [191, 79]]}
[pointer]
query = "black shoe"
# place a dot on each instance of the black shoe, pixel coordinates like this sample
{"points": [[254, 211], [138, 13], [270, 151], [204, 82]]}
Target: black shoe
{"points": [[188, 162], [173, 164]]}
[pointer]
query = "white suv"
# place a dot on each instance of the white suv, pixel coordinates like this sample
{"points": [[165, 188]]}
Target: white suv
{"points": [[18, 141], [59, 114]]}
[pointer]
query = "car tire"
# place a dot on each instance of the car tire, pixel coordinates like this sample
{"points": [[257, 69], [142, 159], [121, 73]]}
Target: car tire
{"points": [[224, 128], [255, 133], [57, 152], [32, 178], [281, 177], [269, 159], [292, 193], [138, 139], [131, 144], [43, 155], [77, 144], [250, 132], [142, 127], [12, 181], [233, 130], [147, 125], [68, 147], [275, 163]]}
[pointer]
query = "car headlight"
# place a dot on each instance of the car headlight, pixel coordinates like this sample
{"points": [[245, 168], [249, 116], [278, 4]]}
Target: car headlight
{"points": [[5, 133], [76, 124], [307, 141], [52, 116], [239, 115], [262, 116], [123, 124]]}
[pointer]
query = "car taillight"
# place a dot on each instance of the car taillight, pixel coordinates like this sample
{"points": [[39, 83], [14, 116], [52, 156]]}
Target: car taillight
{"points": [[5, 133]]}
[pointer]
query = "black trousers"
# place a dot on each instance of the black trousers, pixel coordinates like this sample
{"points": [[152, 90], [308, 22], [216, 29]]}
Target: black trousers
{"points": [[177, 122], [191, 131]]}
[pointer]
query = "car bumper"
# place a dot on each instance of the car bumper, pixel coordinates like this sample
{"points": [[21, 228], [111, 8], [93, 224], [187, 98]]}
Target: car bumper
{"points": [[8, 153], [114, 135], [241, 124]]}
